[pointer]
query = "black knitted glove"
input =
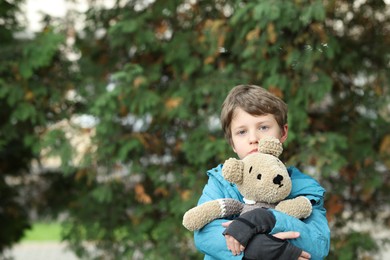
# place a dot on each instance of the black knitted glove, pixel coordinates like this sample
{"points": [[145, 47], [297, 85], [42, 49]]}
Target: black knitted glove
{"points": [[268, 247], [257, 221]]}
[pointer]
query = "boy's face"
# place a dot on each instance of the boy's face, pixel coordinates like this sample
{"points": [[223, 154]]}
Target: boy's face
{"points": [[247, 130]]}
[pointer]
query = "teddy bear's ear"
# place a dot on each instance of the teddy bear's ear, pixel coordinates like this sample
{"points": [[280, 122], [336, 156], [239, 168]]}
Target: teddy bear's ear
{"points": [[270, 145], [233, 170]]}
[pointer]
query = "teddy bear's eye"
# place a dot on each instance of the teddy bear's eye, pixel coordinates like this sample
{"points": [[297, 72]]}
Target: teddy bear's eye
{"points": [[250, 169], [259, 176]]}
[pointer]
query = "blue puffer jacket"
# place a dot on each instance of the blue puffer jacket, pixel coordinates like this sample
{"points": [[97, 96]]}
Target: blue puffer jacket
{"points": [[314, 231]]}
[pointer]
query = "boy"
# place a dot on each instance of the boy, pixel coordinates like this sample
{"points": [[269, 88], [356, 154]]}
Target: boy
{"points": [[249, 113]]}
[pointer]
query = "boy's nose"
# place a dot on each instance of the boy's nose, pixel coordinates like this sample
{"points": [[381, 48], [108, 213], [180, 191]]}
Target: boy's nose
{"points": [[253, 138]]}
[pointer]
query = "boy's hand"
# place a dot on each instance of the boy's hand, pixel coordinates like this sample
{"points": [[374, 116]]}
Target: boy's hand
{"points": [[291, 235], [236, 248], [233, 245]]}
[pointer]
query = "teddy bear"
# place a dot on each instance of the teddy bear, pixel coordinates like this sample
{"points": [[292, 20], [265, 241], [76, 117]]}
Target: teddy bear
{"points": [[264, 182]]}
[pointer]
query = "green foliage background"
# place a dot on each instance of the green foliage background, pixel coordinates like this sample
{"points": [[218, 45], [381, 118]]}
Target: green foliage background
{"points": [[152, 78]]}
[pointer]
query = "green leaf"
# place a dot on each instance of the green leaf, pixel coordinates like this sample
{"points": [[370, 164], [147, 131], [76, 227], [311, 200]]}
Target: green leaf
{"points": [[24, 111], [266, 11], [103, 194], [39, 53], [318, 11], [240, 15]]}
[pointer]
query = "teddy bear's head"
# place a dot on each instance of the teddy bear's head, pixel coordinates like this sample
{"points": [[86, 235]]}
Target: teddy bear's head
{"points": [[260, 176]]}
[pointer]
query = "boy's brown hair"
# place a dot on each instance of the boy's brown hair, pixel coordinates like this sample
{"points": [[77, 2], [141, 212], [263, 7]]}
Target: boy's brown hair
{"points": [[254, 100]]}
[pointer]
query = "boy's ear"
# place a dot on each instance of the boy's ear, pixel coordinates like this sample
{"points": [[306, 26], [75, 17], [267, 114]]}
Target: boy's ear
{"points": [[284, 133]]}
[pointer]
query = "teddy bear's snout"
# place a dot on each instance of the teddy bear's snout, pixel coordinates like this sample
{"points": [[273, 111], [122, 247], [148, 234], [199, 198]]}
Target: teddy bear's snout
{"points": [[278, 180]]}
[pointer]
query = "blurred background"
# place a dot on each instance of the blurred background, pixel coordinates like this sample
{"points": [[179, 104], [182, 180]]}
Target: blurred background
{"points": [[109, 115]]}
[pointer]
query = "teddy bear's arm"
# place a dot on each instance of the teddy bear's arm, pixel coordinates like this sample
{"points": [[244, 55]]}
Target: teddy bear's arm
{"points": [[299, 207], [199, 216]]}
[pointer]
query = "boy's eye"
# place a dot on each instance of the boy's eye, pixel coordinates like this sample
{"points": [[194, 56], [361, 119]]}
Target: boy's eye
{"points": [[241, 132], [263, 128]]}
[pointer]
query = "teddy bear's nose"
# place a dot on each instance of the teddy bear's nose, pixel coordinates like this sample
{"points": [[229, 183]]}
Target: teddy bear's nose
{"points": [[278, 179]]}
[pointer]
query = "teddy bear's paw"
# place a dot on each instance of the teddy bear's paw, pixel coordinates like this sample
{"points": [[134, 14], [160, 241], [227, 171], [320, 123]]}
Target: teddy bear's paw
{"points": [[299, 207], [199, 216]]}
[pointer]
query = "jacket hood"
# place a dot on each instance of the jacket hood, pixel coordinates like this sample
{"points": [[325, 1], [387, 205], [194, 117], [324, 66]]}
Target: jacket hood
{"points": [[229, 188], [304, 185]]}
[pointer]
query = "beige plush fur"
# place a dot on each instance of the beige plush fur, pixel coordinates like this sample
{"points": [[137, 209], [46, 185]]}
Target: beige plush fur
{"points": [[261, 178]]}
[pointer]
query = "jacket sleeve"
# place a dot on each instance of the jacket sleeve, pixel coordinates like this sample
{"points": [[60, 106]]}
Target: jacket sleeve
{"points": [[314, 231], [209, 240]]}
